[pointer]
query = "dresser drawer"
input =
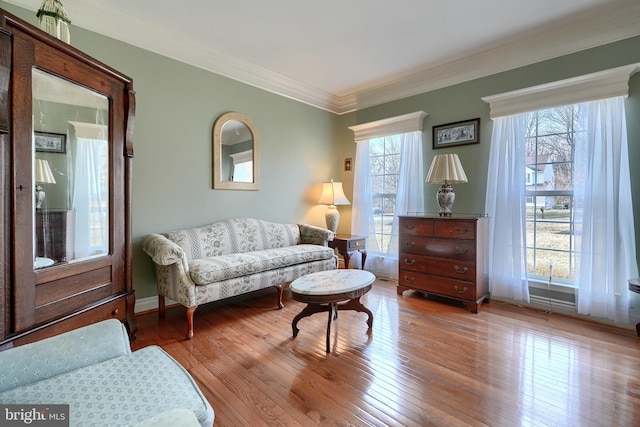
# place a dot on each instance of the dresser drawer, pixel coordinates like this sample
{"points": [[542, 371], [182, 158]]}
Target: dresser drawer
{"points": [[460, 270], [439, 248], [415, 226], [437, 285], [455, 229]]}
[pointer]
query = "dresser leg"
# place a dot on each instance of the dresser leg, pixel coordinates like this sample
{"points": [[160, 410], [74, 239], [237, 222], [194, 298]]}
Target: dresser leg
{"points": [[399, 290]]}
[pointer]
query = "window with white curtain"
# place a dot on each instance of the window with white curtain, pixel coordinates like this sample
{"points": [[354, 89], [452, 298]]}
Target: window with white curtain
{"points": [[90, 190], [573, 162], [388, 181], [242, 166]]}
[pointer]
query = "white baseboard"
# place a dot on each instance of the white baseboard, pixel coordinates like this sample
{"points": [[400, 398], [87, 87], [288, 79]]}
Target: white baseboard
{"points": [[150, 304]]}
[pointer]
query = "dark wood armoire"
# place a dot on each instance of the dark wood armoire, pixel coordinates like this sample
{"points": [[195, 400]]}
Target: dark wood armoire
{"points": [[66, 129]]}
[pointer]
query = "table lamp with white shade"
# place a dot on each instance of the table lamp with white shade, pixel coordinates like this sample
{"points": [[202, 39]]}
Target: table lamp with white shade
{"points": [[446, 169], [332, 195], [43, 176]]}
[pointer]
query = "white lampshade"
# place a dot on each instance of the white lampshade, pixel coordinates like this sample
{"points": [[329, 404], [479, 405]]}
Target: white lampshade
{"points": [[446, 169], [43, 175], [332, 195], [43, 172], [53, 19]]}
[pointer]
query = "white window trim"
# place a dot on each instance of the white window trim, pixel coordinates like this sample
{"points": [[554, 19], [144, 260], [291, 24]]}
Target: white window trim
{"points": [[242, 157], [392, 126], [600, 85], [90, 130]]}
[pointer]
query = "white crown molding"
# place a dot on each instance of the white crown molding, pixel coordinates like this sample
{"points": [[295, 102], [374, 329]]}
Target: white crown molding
{"points": [[582, 31], [392, 126], [604, 84]]}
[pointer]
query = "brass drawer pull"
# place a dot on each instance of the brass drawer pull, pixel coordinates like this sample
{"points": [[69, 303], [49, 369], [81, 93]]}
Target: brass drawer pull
{"points": [[459, 230], [357, 243], [409, 261], [461, 270], [410, 279], [460, 250], [410, 244], [409, 226], [463, 291]]}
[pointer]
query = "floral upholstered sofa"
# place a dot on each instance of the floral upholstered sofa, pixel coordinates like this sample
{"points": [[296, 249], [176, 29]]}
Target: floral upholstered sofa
{"points": [[232, 257]]}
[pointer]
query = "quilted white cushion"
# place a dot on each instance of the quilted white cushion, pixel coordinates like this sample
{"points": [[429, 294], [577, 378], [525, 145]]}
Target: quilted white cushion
{"points": [[124, 390]]}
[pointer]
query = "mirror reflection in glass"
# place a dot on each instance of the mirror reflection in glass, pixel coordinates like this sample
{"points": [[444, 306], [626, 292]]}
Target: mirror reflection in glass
{"points": [[235, 153], [71, 171]]}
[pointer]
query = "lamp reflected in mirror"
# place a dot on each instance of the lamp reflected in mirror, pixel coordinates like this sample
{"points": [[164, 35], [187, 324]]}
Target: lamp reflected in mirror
{"points": [[43, 176]]}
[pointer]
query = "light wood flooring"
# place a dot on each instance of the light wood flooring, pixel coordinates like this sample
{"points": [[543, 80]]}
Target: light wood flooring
{"points": [[424, 362]]}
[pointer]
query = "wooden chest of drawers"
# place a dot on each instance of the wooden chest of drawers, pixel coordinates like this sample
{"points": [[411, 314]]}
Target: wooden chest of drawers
{"points": [[444, 256]]}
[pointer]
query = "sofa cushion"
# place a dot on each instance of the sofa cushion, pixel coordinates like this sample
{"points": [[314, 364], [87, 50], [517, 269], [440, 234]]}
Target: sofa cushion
{"points": [[62, 353], [121, 391], [204, 271], [236, 235]]}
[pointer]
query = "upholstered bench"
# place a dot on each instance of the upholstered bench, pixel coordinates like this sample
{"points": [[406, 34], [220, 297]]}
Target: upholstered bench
{"points": [[232, 257], [93, 370]]}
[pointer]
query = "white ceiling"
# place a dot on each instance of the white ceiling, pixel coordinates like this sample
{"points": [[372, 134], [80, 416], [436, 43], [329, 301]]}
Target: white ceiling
{"points": [[343, 55]]}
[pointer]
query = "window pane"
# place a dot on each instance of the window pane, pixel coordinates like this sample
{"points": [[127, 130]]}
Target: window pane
{"points": [[384, 163], [549, 185]]}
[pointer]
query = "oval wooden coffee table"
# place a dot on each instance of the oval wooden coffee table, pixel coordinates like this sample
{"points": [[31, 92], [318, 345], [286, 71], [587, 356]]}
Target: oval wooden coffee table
{"points": [[326, 291]]}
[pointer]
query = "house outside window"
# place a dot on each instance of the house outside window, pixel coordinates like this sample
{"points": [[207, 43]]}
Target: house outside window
{"points": [[549, 169]]}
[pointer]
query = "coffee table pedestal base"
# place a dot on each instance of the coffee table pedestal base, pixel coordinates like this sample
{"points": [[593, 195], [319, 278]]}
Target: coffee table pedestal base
{"points": [[331, 304]]}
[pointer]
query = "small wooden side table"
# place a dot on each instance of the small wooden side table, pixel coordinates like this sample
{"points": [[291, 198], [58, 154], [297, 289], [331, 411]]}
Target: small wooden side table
{"points": [[347, 244], [634, 286]]}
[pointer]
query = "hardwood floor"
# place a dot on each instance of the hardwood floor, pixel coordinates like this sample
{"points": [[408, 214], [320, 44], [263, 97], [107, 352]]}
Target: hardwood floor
{"points": [[423, 363]]}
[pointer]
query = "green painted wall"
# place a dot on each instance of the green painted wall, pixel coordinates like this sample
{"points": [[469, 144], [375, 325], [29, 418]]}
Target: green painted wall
{"points": [[463, 101], [301, 146], [177, 105]]}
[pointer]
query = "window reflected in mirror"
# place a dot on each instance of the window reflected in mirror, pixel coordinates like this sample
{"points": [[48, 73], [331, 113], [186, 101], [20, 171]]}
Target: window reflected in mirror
{"points": [[70, 171], [235, 153]]}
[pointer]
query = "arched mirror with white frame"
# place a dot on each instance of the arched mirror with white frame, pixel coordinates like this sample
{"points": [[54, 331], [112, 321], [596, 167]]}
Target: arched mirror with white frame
{"points": [[236, 153]]}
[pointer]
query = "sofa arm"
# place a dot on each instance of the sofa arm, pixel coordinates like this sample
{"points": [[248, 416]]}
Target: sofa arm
{"points": [[310, 234], [66, 352], [162, 250]]}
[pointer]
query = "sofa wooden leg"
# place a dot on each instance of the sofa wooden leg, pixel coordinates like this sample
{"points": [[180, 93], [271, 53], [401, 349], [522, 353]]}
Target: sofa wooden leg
{"points": [[280, 289], [190, 311], [161, 306]]}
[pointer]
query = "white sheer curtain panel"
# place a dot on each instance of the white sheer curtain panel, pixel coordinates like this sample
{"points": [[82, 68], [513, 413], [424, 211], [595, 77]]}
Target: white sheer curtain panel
{"points": [[90, 199], [605, 235], [506, 209], [409, 199]]}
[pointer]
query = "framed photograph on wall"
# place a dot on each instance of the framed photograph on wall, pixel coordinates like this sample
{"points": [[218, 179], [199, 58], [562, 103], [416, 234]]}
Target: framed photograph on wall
{"points": [[50, 142], [457, 133]]}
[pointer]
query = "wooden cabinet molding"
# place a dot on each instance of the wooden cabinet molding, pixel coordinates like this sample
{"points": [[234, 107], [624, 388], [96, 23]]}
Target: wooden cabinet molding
{"points": [[36, 303]]}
